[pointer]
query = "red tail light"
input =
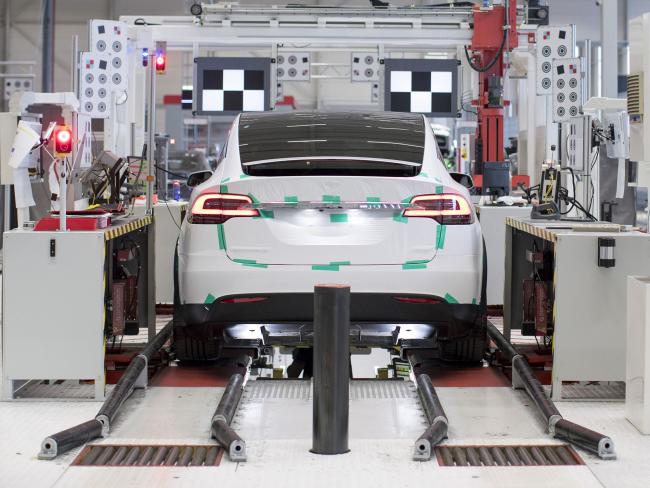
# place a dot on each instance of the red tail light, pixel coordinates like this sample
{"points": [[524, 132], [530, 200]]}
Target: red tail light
{"points": [[216, 208], [429, 300], [243, 300], [446, 208]]}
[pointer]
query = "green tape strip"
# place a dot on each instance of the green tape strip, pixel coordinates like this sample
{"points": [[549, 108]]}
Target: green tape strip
{"points": [[265, 214], [418, 261], [291, 200], [373, 199], [331, 199], [225, 180], [250, 262], [474, 301], [340, 263], [223, 188], [222, 237], [424, 175], [209, 300], [243, 176], [440, 189], [450, 299], [324, 267], [252, 197], [414, 266], [338, 218], [441, 232]]}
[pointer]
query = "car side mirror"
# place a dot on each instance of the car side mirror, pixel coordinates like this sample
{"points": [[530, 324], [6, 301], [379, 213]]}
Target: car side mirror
{"points": [[198, 177], [462, 178]]}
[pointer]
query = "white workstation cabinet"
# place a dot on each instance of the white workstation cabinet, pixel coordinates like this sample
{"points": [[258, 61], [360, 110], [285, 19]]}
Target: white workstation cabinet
{"points": [[589, 307], [54, 297]]}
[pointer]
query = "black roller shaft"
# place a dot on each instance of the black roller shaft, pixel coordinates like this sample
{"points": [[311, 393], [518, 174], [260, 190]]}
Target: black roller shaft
{"points": [[230, 398], [438, 428], [65, 440], [223, 415], [580, 436], [124, 386], [534, 388], [584, 437], [331, 369]]}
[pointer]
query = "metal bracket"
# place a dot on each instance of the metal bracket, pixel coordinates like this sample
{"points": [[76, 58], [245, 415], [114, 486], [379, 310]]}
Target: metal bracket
{"points": [[143, 380]]}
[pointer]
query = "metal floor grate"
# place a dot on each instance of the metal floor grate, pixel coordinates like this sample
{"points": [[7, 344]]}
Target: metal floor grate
{"points": [[278, 389], [548, 455], [302, 389], [149, 455], [386, 389]]}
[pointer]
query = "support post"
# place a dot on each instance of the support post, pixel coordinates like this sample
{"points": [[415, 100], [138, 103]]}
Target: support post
{"points": [[331, 401], [47, 55]]}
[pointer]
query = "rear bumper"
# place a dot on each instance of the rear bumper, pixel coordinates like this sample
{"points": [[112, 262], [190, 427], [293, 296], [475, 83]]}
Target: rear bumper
{"points": [[377, 319]]}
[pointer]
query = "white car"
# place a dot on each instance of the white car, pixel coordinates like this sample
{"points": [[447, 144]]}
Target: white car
{"points": [[361, 199]]}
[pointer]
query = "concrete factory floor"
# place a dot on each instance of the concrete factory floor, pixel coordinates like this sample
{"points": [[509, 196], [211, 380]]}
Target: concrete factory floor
{"points": [[276, 424]]}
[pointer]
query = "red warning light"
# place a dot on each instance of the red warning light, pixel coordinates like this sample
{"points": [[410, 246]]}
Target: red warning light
{"points": [[161, 63], [63, 140]]}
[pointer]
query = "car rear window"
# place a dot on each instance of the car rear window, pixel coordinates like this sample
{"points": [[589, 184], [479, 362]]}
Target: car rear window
{"points": [[348, 144]]}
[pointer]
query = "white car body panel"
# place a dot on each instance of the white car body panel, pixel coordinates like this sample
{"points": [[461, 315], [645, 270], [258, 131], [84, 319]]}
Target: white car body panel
{"points": [[299, 248]]}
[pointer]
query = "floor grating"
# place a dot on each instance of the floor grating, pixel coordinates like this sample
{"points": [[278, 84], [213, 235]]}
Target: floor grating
{"points": [[149, 455], [302, 389], [490, 455]]}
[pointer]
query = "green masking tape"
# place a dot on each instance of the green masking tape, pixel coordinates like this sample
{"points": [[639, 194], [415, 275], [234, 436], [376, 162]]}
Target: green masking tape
{"points": [[250, 262], [244, 175], [441, 232], [209, 300], [440, 189], [324, 267], [424, 175], [338, 218], [223, 188], [225, 180], [450, 299], [340, 263], [373, 199], [474, 301], [222, 237], [291, 200], [407, 266], [331, 199]]}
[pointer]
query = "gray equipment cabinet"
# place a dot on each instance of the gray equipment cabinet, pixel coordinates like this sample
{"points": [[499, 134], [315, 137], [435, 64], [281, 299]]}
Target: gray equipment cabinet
{"points": [[55, 295], [588, 299]]}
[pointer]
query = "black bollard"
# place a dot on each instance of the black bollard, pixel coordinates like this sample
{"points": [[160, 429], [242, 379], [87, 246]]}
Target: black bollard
{"points": [[331, 369]]}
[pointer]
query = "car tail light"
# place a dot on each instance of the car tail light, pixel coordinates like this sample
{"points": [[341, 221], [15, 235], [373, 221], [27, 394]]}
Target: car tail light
{"points": [[428, 300], [243, 299], [216, 208], [446, 208]]}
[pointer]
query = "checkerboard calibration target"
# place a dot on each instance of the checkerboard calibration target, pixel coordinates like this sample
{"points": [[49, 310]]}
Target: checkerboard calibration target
{"points": [[421, 91], [233, 90]]}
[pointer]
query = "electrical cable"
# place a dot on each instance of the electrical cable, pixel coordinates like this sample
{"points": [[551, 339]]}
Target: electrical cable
{"points": [[483, 69]]}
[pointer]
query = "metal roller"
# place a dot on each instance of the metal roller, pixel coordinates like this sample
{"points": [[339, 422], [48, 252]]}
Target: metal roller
{"points": [[132, 456], [186, 456], [211, 456], [159, 456], [145, 457], [199, 456], [223, 415], [587, 439], [68, 439], [438, 423], [63, 441]]}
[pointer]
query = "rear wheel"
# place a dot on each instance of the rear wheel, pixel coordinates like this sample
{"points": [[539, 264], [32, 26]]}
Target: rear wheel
{"points": [[186, 347]]}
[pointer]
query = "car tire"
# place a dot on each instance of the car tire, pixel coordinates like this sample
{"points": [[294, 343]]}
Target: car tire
{"points": [[191, 349], [185, 347]]}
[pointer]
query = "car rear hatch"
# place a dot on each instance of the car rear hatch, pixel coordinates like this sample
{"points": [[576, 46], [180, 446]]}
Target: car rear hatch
{"points": [[330, 221]]}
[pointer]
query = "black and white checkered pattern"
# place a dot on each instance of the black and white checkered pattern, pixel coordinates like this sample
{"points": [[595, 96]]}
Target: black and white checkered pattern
{"points": [[233, 90], [421, 91]]}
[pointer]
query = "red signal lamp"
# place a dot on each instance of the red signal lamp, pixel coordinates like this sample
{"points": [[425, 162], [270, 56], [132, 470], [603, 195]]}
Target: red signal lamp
{"points": [[62, 140], [161, 63]]}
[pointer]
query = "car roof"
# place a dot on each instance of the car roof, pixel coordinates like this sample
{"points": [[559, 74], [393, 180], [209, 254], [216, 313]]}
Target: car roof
{"points": [[394, 136]]}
